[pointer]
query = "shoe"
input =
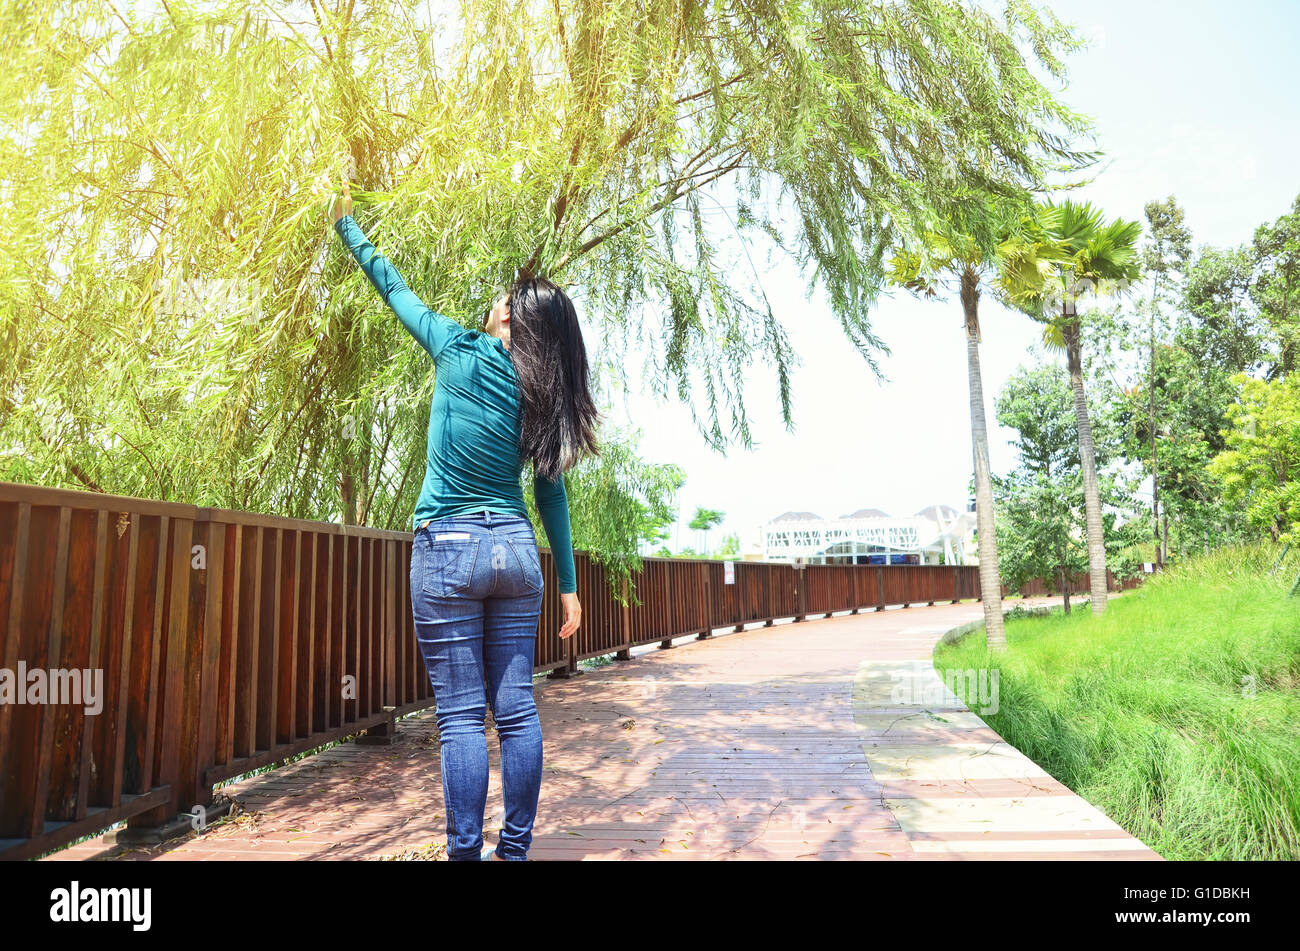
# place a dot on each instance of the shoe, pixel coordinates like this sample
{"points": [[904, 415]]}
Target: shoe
{"points": [[489, 854]]}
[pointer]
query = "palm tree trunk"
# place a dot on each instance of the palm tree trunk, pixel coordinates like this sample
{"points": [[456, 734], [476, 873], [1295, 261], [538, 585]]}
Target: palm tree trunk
{"points": [[1088, 461], [990, 580]]}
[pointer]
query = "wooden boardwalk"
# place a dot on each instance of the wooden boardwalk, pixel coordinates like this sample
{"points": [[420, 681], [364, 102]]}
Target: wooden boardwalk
{"points": [[818, 740]]}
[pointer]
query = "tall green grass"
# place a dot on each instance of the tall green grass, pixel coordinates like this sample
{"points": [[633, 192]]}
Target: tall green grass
{"points": [[1148, 711]]}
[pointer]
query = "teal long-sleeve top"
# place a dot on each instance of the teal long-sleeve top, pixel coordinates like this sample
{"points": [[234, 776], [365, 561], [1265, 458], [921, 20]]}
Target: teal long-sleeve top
{"points": [[473, 461]]}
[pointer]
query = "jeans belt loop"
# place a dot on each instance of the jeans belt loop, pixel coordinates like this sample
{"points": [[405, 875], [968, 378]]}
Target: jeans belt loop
{"points": [[488, 515]]}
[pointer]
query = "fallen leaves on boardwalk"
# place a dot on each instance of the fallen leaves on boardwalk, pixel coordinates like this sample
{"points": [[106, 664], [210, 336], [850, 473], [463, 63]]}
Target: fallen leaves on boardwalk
{"points": [[433, 852], [236, 822]]}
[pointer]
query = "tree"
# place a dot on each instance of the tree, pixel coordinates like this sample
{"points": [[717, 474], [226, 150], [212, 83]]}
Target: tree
{"points": [[1193, 402], [1065, 252], [705, 519], [1038, 534], [1041, 506], [1222, 329], [1224, 315], [1207, 329], [1260, 467], [651, 528], [957, 256], [1276, 285], [1165, 254], [1037, 531], [164, 207], [622, 498]]}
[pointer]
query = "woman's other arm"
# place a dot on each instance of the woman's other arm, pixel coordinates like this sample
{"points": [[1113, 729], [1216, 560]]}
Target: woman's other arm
{"points": [[553, 506]]}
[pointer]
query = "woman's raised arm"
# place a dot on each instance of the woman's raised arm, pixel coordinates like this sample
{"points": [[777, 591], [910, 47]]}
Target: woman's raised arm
{"points": [[432, 330]]}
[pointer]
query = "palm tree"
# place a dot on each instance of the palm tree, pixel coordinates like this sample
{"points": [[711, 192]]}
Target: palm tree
{"points": [[704, 520], [963, 255], [1062, 253]]}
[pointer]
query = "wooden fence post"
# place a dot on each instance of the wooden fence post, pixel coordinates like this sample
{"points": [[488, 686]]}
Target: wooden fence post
{"points": [[667, 642], [176, 540], [571, 667], [708, 604], [767, 586], [737, 600], [800, 592], [383, 734], [625, 621]]}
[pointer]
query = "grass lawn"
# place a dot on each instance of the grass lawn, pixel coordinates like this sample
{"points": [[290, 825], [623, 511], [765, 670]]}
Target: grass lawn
{"points": [[1177, 712]]}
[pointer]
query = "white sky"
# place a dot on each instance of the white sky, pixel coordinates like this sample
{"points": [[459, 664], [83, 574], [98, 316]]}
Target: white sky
{"points": [[1190, 99]]}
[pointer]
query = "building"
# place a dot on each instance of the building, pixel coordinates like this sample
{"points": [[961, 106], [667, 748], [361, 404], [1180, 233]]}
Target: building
{"points": [[938, 534]]}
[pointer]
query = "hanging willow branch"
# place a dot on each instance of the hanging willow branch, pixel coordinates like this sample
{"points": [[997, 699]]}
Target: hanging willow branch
{"points": [[179, 321]]}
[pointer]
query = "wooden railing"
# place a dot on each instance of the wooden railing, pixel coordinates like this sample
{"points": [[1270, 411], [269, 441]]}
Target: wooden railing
{"points": [[1078, 584], [228, 641]]}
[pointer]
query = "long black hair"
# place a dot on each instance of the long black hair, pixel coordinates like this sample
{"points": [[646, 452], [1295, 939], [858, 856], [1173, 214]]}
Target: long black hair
{"points": [[559, 416]]}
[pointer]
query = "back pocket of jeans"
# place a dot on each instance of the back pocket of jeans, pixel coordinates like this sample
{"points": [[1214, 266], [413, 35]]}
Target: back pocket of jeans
{"points": [[449, 565], [530, 563]]}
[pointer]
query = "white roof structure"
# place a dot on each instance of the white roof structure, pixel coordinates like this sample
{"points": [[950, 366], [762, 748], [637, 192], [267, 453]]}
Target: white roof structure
{"points": [[935, 530]]}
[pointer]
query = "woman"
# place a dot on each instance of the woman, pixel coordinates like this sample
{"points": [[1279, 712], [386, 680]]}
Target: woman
{"points": [[514, 391]]}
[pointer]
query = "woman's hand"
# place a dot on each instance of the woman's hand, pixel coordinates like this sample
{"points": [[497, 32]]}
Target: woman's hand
{"points": [[572, 613], [340, 207]]}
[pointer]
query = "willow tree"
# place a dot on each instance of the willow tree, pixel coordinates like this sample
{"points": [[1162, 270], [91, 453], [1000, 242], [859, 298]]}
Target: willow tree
{"points": [[178, 321]]}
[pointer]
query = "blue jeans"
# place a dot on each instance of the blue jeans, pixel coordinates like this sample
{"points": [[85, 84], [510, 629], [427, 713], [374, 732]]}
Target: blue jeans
{"points": [[476, 597]]}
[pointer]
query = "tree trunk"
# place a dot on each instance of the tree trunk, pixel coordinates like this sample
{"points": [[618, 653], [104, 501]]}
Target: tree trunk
{"points": [[1155, 466], [1088, 463], [990, 580], [348, 497], [353, 477]]}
